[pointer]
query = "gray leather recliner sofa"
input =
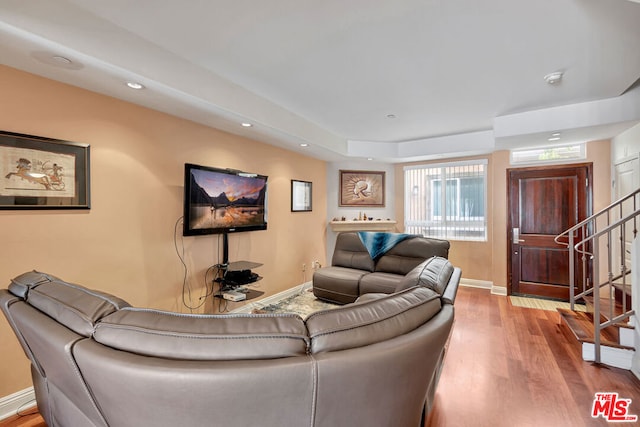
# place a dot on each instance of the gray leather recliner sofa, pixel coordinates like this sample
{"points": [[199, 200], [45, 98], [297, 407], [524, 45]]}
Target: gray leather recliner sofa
{"points": [[353, 272], [96, 361]]}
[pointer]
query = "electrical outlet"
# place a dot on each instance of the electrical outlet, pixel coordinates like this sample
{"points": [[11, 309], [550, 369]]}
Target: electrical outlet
{"points": [[315, 264], [304, 267]]}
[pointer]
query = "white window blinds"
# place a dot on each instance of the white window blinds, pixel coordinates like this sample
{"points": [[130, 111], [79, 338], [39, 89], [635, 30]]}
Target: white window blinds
{"points": [[447, 201]]}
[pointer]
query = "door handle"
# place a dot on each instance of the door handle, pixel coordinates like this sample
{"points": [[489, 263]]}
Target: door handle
{"points": [[516, 236]]}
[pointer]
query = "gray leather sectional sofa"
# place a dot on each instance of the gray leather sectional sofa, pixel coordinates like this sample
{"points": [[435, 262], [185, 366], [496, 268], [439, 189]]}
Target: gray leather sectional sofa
{"points": [[353, 272], [97, 361]]}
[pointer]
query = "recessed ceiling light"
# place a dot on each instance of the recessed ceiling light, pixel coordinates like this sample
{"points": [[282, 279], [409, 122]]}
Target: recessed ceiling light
{"points": [[304, 144], [246, 125], [135, 85], [391, 116], [56, 60], [61, 59], [369, 158], [554, 136], [553, 78]]}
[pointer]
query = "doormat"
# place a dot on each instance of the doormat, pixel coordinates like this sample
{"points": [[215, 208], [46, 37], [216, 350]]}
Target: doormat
{"points": [[302, 304], [544, 304]]}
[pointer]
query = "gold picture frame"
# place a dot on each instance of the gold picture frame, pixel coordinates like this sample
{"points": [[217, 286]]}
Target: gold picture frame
{"points": [[362, 188]]}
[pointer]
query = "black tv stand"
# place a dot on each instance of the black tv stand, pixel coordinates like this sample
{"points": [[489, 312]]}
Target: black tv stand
{"points": [[234, 276], [238, 273], [225, 249]]}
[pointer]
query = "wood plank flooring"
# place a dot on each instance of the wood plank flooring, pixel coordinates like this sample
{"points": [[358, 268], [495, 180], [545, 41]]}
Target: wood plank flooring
{"points": [[581, 324], [509, 366], [30, 418], [512, 366]]}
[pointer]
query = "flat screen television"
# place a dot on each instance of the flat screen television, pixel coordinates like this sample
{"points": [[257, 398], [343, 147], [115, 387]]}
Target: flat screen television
{"points": [[223, 201]]}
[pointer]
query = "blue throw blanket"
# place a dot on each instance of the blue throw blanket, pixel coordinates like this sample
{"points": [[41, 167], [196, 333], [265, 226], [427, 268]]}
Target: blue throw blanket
{"points": [[378, 243]]}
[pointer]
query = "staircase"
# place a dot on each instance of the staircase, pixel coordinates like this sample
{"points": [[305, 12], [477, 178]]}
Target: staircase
{"points": [[604, 242]]}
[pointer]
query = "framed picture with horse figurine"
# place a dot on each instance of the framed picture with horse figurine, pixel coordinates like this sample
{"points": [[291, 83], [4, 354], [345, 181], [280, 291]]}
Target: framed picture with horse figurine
{"points": [[43, 173]]}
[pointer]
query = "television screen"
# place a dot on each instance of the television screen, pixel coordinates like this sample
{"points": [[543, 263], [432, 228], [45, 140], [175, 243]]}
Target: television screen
{"points": [[223, 201]]}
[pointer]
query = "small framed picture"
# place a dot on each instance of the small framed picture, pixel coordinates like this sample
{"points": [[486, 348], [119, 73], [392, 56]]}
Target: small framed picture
{"points": [[43, 173], [362, 188], [301, 196]]}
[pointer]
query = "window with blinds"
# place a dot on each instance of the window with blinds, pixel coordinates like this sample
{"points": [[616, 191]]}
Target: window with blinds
{"points": [[447, 201]]}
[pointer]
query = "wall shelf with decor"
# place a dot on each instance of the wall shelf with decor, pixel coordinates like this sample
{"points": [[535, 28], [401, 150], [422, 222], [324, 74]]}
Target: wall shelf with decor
{"points": [[361, 225]]}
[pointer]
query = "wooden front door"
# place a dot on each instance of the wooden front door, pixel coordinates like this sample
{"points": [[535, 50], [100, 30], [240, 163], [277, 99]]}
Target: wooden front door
{"points": [[544, 202]]}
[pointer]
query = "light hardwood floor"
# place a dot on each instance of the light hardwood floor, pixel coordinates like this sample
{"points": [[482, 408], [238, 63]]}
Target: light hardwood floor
{"points": [[509, 366]]}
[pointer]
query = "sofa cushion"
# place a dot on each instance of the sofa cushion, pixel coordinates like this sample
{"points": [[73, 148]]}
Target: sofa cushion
{"points": [[20, 285], [379, 282], [74, 306], [339, 284], [203, 337], [433, 273], [372, 321], [351, 253], [407, 254]]}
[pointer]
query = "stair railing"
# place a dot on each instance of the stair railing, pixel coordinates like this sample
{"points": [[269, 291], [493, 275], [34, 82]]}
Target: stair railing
{"points": [[598, 231]]}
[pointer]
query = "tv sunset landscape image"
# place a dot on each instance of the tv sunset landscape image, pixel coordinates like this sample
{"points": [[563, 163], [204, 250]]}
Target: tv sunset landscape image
{"points": [[220, 201]]}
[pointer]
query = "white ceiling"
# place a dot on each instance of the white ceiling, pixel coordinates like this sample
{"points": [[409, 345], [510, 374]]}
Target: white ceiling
{"points": [[460, 77]]}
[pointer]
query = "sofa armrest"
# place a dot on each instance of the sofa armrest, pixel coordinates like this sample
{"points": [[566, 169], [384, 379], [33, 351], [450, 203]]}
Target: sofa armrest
{"points": [[450, 291], [436, 273]]}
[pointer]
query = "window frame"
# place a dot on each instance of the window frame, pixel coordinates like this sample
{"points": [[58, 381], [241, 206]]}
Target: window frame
{"points": [[579, 157], [444, 228]]}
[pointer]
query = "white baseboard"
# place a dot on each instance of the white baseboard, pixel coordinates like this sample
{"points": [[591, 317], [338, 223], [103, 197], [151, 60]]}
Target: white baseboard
{"points": [[612, 356], [484, 284], [499, 290], [18, 401]]}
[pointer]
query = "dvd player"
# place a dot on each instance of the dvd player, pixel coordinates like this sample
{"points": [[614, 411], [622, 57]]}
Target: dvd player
{"points": [[234, 296]]}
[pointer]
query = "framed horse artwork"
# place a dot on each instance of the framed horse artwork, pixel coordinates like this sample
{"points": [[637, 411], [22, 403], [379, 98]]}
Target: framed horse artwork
{"points": [[43, 173]]}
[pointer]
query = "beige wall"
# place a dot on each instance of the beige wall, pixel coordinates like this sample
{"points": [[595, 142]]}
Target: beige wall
{"points": [[487, 261], [125, 244]]}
